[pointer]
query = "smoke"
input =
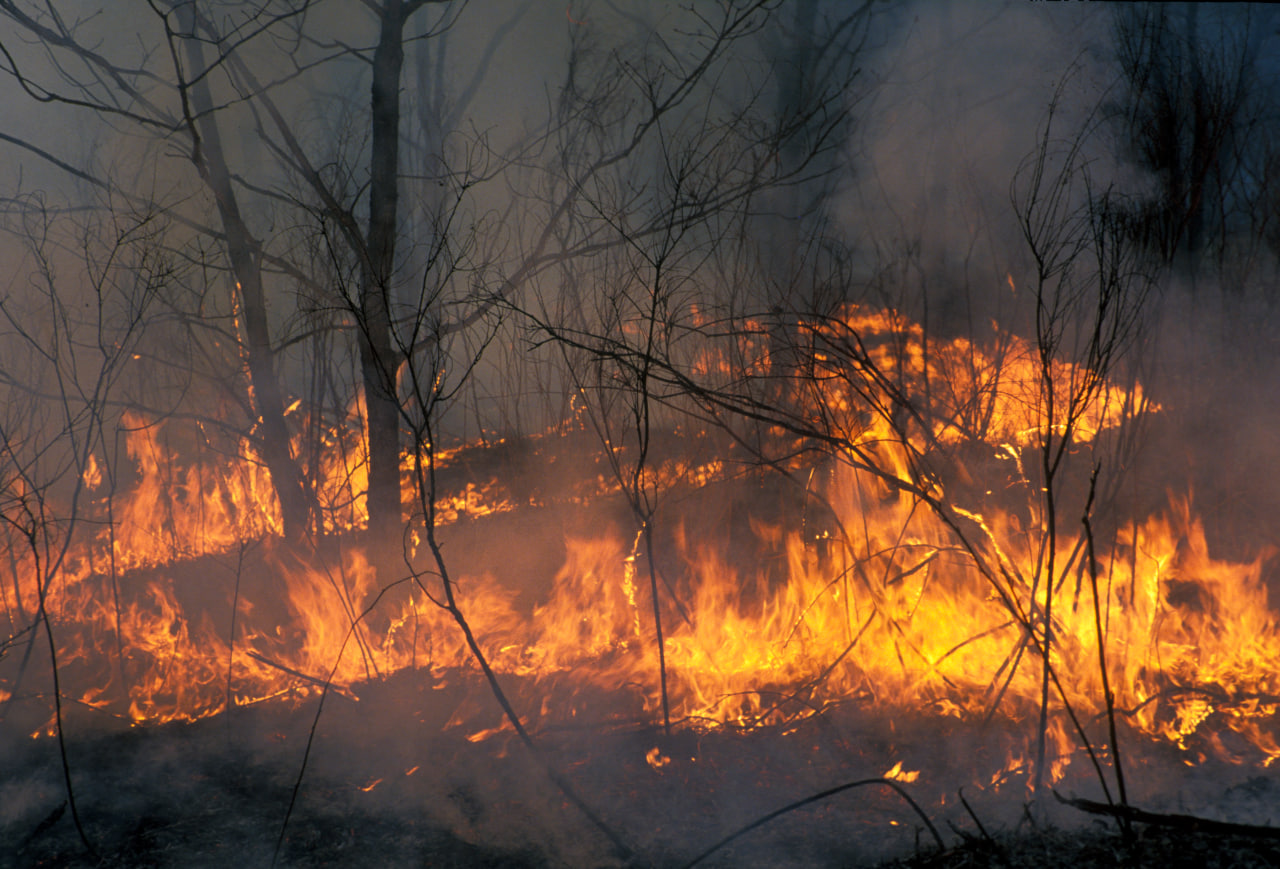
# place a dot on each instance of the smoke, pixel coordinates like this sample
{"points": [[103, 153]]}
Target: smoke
{"points": [[961, 98], [955, 97], [961, 101]]}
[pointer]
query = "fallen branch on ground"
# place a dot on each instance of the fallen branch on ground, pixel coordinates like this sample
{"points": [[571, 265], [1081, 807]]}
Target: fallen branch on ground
{"points": [[1186, 823]]}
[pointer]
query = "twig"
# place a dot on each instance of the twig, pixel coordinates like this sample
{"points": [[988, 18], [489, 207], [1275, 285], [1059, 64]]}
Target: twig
{"points": [[981, 829], [424, 469], [42, 827], [231, 634], [320, 683], [325, 686], [1107, 694], [822, 795]]}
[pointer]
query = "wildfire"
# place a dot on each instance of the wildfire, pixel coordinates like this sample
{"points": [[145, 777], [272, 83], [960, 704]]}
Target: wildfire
{"points": [[892, 603]]}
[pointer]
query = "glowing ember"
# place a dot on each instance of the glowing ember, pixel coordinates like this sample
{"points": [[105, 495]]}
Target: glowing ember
{"points": [[898, 774], [656, 759]]}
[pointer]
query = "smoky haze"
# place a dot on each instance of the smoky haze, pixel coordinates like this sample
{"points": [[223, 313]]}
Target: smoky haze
{"points": [[264, 328]]}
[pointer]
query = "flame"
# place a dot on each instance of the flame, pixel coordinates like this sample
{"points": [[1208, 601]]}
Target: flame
{"points": [[656, 759], [92, 474], [869, 598], [896, 773]]}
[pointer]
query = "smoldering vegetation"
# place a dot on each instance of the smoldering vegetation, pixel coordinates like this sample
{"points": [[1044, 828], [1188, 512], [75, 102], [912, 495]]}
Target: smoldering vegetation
{"points": [[499, 434]]}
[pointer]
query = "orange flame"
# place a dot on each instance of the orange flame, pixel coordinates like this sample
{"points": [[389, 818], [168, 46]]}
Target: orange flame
{"points": [[890, 604]]}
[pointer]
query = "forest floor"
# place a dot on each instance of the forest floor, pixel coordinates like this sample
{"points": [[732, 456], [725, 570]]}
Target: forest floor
{"points": [[381, 783]]}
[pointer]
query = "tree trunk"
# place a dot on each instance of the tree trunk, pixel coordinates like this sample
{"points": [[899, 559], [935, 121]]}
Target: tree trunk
{"points": [[297, 505], [379, 358]]}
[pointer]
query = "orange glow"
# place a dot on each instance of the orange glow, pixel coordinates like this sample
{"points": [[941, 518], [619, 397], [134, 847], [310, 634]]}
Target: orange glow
{"points": [[656, 759], [896, 773], [891, 604]]}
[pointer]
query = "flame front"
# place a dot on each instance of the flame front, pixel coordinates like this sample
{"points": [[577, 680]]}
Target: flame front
{"points": [[864, 593]]}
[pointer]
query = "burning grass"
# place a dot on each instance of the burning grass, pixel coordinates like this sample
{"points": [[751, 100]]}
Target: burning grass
{"points": [[768, 623], [882, 611]]}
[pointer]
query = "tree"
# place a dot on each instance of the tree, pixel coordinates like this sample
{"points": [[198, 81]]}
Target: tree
{"points": [[1090, 285], [68, 353], [297, 503], [667, 171], [1193, 112], [124, 90], [652, 151], [261, 57]]}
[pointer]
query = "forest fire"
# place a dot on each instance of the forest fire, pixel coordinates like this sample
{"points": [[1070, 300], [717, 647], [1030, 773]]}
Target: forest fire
{"points": [[635, 434], [861, 596]]}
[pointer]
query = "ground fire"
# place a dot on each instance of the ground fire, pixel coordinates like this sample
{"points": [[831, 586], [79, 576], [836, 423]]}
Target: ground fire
{"points": [[853, 592], [719, 433]]}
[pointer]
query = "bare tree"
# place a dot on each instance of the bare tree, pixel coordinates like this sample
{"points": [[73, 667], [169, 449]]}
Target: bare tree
{"points": [[69, 350], [663, 174], [1090, 286], [1194, 111], [149, 100]]}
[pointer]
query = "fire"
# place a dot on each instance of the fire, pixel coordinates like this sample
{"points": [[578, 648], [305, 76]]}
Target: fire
{"points": [[897, 773], [656, 759], [871, 598], [995, 395]]}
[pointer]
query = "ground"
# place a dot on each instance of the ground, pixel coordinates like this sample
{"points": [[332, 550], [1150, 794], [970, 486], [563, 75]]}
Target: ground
{"points": [[384, 784]]}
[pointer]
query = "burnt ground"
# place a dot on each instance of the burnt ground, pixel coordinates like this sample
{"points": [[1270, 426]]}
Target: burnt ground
{"points": [[1152, 847], [388, 783]]}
